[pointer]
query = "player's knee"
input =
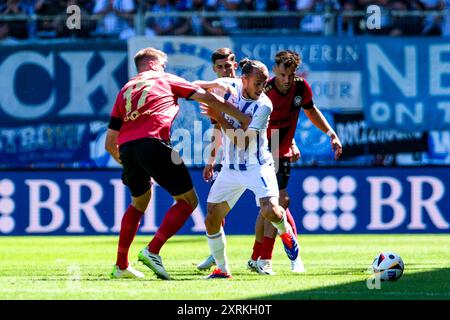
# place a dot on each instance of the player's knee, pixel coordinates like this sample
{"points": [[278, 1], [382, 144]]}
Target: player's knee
{"points": [[190, 198], [269, 213], [212, 220], [211, 210], [142, 201], [209, 223], [285, 201], [192, 201]]}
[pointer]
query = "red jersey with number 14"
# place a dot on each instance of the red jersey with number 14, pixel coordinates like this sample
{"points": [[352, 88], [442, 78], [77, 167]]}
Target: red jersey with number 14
{"points": [[147, 105], [286, 109]]}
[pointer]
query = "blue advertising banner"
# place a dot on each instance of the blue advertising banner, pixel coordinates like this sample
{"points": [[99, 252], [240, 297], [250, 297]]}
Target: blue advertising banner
{"points": [[332, 66], [407, 83], [59, 95], [337, 200], [60, 82], [314, 145], [358, 139], [439, 150], [40, 143], [54, 94]]}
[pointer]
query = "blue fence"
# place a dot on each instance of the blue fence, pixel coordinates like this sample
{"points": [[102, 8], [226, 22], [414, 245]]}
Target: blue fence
{"points": [[337, 200]]}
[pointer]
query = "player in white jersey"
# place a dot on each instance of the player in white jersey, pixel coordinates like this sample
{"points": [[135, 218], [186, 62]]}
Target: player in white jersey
{"points": [[247, 164]]}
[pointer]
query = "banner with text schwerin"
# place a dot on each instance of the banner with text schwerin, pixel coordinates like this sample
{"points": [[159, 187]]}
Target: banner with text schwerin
{"points": [[407, 83], [332, 66]]}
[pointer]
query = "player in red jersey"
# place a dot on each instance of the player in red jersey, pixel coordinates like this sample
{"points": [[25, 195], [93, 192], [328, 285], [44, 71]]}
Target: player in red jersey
{"points": [[289, 94], [139, 138]]}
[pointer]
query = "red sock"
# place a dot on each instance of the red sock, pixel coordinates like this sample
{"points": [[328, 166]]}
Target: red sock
{"points": [[256, 250], [128, 228], [267, 248], [291, 221], [174, 219]]}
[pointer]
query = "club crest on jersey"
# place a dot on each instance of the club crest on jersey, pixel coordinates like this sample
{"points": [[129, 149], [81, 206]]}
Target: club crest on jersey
{"points": [[298, 101]]}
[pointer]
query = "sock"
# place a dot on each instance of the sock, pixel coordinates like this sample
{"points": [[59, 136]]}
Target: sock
{"points": [[128, 228], [282, 226], [256, 250], [291, 221], [217, 245], [267, 248], [173, 220]]}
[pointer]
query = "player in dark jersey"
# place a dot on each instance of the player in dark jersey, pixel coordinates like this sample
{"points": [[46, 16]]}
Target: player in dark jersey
{"points": [[139, 138], [289, 94]]}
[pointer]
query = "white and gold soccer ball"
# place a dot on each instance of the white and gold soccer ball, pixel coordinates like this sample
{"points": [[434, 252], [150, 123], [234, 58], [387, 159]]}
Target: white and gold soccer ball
{"points": [[388, 266]]}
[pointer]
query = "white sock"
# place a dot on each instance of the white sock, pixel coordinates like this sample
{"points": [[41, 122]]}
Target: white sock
{"points": [[217, 245], [282, 225]]}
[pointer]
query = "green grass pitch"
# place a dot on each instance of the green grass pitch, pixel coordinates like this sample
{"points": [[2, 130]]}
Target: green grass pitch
{"points": [[78, 268]]}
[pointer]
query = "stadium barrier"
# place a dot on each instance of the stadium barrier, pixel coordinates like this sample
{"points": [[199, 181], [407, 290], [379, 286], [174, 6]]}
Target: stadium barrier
{"points": [[324, 21], [323, 201]]}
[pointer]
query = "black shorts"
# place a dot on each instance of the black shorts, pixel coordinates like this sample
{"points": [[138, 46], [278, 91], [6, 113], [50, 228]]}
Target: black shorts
{"points": [[147, 158], [283, 172]]}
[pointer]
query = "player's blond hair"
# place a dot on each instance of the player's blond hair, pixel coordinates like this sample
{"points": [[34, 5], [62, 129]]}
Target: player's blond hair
{"points": [[148, 54]]}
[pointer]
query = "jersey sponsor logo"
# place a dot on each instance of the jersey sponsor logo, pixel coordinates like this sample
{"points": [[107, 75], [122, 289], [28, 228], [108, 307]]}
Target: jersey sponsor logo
{"points": [[298, 101]]}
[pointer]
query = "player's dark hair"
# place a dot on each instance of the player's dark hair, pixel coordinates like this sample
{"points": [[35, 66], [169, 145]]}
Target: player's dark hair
{"points": [[288, 58], [223, 53], [248, 66]]}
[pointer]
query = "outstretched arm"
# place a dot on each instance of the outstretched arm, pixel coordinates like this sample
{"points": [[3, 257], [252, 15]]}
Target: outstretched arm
{"points": [[111, 144], [209, 85], [295, 152], [239, 137], [216, 138], [320, 122], [220, 104]]}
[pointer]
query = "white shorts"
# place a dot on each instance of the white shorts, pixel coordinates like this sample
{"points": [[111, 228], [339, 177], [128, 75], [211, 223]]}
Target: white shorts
{"points": [[231, 184]]}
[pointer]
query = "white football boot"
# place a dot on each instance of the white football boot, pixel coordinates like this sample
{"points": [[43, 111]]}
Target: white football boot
{"points": [[154, 262], [128, 273], [297, 265], [207, 263], [264, 266]]}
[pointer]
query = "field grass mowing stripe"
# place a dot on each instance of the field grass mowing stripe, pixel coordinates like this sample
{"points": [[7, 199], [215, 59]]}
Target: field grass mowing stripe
{"points": [[78, 268]]}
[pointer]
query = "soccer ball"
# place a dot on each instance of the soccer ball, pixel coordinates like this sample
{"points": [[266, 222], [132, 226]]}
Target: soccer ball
{"points": [[388, 266]]}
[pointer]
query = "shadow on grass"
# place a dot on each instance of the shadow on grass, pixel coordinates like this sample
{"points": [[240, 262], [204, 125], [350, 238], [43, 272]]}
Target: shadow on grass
{"points": [[433, 285]]}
